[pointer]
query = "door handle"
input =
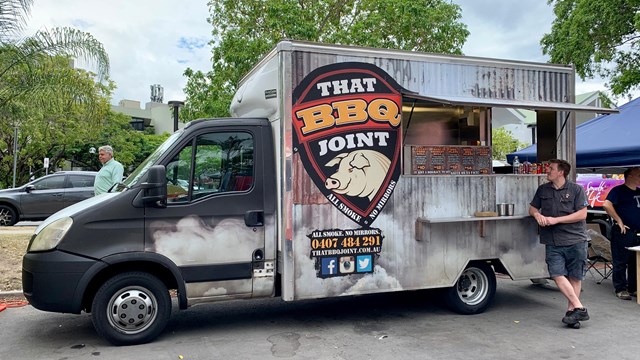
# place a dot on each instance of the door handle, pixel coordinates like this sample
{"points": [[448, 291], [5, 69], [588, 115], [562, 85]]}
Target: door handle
{"points": [[57, 194], [254, 218]]}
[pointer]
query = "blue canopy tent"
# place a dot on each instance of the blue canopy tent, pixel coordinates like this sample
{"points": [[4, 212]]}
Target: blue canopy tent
{"points": [[606, 141]]}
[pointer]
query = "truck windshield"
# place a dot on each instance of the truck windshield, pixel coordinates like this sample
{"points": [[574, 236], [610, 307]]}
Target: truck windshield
{"points": [[135, 176]]}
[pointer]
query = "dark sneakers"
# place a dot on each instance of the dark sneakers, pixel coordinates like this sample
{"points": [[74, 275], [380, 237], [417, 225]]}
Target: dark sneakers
{"points": [[624, 295], [575, 315]]}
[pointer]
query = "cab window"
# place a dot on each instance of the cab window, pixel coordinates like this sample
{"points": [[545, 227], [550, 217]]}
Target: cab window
{"points": [[178, 175], [213, 163]]}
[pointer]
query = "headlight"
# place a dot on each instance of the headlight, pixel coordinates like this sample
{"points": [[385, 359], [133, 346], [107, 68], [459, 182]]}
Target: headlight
{"points": [[51, 235]]}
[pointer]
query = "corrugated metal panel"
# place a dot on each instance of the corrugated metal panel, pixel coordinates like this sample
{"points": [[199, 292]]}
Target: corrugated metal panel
{"points": [[484, 82], [345, 50], [442, 75]]}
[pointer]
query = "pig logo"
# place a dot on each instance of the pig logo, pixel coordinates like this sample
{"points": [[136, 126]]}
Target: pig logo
{"points": [[360, 173], [347, 134]]}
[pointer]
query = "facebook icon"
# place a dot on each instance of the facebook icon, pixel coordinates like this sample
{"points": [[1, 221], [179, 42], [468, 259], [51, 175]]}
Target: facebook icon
{"points": [[329, 266]]}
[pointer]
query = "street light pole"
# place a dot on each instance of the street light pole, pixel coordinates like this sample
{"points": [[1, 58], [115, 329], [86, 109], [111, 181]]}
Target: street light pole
{"points": [[15, 153], [176, 106]]}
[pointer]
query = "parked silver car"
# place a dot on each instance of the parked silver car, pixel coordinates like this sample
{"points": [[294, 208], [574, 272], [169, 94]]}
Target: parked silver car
{"points": [[42, 197]]}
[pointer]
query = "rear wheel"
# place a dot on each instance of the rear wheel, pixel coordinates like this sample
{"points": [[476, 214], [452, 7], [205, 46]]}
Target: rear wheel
{"points": [[131, 308], [8, 216], [474, 290]]}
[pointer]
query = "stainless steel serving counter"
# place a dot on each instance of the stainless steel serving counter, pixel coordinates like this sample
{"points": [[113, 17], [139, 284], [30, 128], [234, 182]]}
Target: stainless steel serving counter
{"points": [[422, 222]]}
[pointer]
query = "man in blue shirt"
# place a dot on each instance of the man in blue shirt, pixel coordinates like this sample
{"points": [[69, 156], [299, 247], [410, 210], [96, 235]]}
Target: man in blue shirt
{"points": [[623, 205], [110, 173]]}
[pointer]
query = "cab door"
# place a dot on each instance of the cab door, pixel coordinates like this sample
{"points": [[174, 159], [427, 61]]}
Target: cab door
{"points": [[213, 224]]}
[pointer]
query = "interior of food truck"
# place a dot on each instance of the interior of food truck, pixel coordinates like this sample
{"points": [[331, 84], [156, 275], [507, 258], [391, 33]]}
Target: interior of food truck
{"points": [[446, 138], [433, 122], [441, 124]]}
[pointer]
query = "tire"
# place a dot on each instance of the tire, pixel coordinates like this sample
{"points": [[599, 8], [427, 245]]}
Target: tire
{"points": [[474, 290], [8, 216], [116, 320]]}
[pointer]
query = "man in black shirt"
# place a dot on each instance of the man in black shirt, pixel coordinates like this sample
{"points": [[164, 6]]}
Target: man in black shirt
{"points": [[623, 205], [560, 208]]}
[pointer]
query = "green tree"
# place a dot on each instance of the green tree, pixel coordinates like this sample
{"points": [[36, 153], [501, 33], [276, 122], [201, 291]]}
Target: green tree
{"points": [[41, 94], [69, 140], [598, 38], [244, 31], [130, 146], [503, 143], [66, 107], [17, 51]]}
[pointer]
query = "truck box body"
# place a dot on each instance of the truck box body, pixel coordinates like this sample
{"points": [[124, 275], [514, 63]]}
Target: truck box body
{"points": [[413, 255], [345, 171]]}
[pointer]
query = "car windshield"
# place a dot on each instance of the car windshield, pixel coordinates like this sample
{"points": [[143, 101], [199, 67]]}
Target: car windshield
{"points": [[135, 176]]}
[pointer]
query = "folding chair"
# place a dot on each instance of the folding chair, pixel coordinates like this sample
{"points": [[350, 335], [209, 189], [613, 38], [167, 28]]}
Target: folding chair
{"points": [[599, 263]]}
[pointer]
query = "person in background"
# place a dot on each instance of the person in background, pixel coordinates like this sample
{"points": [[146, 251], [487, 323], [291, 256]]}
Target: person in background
{"points": [[110, 173], [560, 208], [623, 205]]}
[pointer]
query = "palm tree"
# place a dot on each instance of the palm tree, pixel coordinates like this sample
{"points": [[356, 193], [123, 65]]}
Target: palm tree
{"points": [[28, 71], [12, 16], [27, 52]]}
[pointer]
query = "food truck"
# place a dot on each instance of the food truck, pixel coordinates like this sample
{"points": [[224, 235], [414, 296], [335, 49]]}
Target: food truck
{"points": [[343, 171]]}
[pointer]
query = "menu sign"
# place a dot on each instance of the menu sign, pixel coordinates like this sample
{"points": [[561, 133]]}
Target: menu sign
{"points": [[484, 162], [450, 159]]}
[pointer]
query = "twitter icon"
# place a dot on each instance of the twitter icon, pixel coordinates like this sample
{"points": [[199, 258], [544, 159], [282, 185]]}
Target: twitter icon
{"points": [[364, 263]]}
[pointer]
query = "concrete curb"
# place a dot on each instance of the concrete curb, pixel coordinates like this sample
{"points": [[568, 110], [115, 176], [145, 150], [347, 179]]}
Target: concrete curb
{"points": [[14, 294]]}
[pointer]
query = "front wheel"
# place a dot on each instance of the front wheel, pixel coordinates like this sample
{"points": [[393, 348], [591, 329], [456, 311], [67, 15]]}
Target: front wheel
{"points": [[131, 308], [8, 216], [474, 290]]}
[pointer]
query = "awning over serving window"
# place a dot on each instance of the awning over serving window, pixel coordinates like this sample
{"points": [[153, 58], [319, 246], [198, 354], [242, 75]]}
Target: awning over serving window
{"points": [[515, 104], [605, 141]]}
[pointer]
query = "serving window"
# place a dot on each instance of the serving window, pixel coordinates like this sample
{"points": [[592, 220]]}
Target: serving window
{"points": [[446, 139]]}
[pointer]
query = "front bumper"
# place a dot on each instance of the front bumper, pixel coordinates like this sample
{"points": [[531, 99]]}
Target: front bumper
{"points": [[51, 281]]}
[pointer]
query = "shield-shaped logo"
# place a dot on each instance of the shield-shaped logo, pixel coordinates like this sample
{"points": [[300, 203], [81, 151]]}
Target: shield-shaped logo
{"points": [[347, 131]]}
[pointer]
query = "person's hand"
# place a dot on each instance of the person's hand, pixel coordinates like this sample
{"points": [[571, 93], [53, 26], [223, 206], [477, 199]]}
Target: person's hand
{"points": [[551, 221], [623, 227], [541, 219]]}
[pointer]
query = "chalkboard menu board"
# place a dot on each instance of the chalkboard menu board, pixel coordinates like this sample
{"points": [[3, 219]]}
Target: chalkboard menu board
{"points": [[450, 159]]}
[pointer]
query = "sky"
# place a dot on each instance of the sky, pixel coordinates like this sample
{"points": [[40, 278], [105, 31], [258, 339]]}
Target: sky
{"points": [[154, 41]]}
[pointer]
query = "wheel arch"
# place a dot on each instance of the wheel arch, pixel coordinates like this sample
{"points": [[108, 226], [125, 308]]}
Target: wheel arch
{"points": [[496, 264], [160, 266], [12, 203]]}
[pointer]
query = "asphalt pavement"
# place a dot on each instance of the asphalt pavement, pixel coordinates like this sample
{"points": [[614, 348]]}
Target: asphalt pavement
{"points": [[524, 322]]}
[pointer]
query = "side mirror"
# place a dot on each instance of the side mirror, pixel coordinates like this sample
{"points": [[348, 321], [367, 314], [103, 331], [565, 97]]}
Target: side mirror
{"points": [[29, 188], [155, 189]]}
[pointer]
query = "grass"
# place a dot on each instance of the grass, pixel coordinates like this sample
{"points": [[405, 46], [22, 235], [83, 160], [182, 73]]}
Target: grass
{"points": [[12, 248]]}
